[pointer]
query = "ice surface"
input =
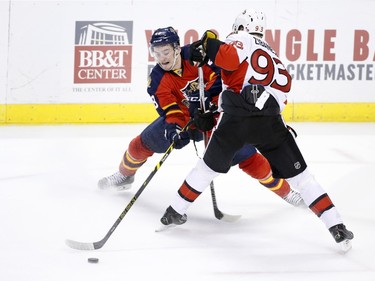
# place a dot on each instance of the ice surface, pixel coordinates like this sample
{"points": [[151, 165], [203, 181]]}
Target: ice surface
{"points": [[48, 193]]}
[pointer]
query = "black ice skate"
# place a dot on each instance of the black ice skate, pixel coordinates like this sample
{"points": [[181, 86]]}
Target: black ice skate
{"points": [[342, 236], [172, 217], [116, 181]]}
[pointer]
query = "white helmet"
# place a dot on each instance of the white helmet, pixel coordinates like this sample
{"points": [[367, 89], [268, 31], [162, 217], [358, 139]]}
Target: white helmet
{"points": [[251, 21]]}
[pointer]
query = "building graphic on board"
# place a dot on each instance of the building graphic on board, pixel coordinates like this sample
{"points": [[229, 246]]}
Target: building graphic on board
{"points": [[103, 52]]}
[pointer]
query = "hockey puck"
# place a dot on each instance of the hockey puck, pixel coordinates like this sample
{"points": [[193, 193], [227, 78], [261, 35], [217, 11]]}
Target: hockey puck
{"points": [[93, 260]]}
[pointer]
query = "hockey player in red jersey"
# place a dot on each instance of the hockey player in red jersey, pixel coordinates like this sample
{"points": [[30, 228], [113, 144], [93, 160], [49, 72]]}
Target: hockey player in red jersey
{"points": [[251, 117], [173, 87]]}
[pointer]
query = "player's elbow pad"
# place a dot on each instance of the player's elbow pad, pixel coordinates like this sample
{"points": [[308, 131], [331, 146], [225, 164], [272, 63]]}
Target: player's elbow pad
{"points": [[212, 48]]}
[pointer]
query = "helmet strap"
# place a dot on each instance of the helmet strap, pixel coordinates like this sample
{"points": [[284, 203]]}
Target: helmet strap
{"points": [[176, 54]]}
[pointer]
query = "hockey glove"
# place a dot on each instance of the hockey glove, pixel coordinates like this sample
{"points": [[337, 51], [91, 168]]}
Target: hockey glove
{"points": [[198, 49], [194, 101], [197, 56], [204, 121], [208, 34], [173, 134]]}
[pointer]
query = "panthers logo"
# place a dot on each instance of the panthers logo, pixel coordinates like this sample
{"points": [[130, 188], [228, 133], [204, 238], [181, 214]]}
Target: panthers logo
{"points": [[191, 92]]}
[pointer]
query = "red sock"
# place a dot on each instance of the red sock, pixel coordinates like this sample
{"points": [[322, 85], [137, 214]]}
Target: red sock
{"points": [[136, 155], [257, 166]]}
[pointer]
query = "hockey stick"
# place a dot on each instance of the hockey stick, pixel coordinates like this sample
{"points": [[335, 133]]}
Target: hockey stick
{"points": [[218, 214], [99, 244]]}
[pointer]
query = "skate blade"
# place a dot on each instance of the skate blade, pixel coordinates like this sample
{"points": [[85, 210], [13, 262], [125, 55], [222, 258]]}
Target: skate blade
{"points": [[163, 227], [123, 188], [345, 245], [115, 188]]}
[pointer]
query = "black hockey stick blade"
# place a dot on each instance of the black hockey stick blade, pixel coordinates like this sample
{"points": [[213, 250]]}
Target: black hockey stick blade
{"points": [[226, 217], [219, 214]]}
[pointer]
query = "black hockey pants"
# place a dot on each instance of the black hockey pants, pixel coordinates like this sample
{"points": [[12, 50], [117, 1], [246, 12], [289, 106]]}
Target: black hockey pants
{"points": [[267, 133]]}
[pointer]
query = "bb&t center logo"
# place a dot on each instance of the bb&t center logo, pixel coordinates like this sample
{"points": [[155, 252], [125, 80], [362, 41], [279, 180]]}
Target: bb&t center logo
{"points": [[103, 52]]}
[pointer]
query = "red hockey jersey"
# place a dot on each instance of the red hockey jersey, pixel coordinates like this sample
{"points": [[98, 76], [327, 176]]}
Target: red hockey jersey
{"points": [[173, 91]]}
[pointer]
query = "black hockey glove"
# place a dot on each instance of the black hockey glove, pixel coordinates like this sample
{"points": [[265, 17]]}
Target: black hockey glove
{"points": [[198, 56], [205, 121], [173, 134], [194, 101]]}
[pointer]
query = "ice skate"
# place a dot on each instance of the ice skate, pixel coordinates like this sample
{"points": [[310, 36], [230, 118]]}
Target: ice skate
{"points": [[294, 198], [171, 218], [116, 181], [342, 236]]}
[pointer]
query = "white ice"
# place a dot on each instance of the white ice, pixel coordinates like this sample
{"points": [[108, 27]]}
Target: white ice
{"points": [[48, 193]]}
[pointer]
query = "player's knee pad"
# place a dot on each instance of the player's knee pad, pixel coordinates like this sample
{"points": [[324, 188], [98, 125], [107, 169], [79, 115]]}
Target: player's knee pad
{"points": [[256, 166], [301, 180], [136, 155], [201, 176], [315, 197], [307, 185], [138, 150]]}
